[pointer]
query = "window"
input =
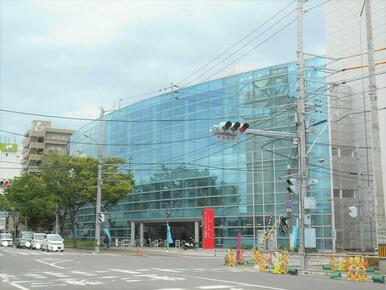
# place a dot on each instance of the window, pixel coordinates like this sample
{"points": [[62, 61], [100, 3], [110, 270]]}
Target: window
{"points": [[337, 193], [346, 152], [347, 193]]}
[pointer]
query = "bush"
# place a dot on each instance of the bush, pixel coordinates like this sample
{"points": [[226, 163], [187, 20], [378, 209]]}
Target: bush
{"points": [[81, 243]]}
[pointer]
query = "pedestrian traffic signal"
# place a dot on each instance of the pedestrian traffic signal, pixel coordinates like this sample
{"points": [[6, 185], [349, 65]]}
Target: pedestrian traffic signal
{"points": [[293, 186], [228, 130]]}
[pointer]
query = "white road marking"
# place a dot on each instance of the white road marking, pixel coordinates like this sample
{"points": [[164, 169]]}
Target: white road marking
{"points": [[18, 286], [166, 270], [124, 271], [101, 271], [236, 283], [34, 275], [171, 289], [53, 264], [214, 287], [46, 284], [60, 275], [129, 281], [22, 253], [84, 273], [81, 282], [50, 285], [164, 278], [109, 277]]}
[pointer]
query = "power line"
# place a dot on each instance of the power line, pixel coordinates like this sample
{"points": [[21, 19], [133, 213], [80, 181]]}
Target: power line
{"points": [[238, 42]]}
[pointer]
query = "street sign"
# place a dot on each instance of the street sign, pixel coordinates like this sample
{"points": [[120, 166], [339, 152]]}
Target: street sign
{"points": [[101, 217], [313, 181], [288, 206]]}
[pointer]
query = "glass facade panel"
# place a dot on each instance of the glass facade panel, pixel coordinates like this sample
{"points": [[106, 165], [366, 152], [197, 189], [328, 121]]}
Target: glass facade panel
{"points": [[180, 167]]}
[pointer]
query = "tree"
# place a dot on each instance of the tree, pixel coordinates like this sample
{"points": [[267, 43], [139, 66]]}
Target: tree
{"points": [[27, 196], [117, 181], [73, 181]]}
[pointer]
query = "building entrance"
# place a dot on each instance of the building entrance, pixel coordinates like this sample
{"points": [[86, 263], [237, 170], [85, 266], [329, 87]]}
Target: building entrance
{"points": [[157, 231]]}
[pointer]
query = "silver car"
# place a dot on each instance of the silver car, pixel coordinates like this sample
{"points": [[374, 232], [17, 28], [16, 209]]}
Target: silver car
{"points": [[24, 240], [6, 240]]}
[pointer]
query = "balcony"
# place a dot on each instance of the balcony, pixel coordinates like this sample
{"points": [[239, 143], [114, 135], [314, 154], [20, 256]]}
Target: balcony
{"points": [[35, 157]]}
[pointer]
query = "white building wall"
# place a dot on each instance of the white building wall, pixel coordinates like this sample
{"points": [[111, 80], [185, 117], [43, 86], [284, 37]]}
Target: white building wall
{"points": [[346, 41]]}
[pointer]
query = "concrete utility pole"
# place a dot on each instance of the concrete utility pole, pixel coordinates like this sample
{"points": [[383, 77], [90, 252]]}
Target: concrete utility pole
{"points": [[99, 182], [377, 163], [302, 138]]}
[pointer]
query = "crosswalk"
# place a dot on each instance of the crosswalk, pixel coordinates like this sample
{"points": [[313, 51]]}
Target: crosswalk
{"points": [[24, 252], [76, 278]]}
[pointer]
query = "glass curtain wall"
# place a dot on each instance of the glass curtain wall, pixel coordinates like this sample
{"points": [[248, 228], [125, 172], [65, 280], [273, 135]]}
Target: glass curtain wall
{"points": [[180, 167]]}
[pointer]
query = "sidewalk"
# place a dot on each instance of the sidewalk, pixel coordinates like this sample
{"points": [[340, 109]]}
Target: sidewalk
{"points": [[162, 251]]}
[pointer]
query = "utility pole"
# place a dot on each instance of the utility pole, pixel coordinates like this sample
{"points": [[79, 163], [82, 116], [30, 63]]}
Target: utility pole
{"points": [[302, 138], [380, 205], [99, 182], [358, 204]]}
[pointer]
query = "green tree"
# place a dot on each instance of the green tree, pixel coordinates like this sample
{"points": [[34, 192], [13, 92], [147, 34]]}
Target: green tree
{"points": [[27, 195], [73, 181], [117, 181]]}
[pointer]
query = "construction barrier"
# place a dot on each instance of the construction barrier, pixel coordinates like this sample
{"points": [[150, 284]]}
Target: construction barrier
{"points": [[382, 250], [230, 258], [260, 261], [280, 265]]}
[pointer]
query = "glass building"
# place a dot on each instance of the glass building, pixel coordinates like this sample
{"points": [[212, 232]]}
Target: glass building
{"points": [[180, 168]]}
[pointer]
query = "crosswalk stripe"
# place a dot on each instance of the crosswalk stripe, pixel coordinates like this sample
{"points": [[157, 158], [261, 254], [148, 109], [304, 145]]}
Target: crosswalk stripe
{"points": [[124, 271], [84, 273], [214, 287], [166, 270]]}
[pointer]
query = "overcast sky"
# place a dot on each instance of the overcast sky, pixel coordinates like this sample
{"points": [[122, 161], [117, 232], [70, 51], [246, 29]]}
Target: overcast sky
{"points": [[69, 57]]}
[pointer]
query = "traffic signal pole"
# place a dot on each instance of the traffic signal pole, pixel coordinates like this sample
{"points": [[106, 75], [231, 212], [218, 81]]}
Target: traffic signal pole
{"points": [[302, 138]]}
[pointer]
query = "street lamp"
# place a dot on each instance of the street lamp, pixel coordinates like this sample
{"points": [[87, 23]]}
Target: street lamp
{"points": [[99, 195]]}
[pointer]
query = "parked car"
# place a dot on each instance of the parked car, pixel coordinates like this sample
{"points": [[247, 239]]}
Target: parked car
{"points": [[6, 240], [38, 240], [24, 240], [53, 242]]}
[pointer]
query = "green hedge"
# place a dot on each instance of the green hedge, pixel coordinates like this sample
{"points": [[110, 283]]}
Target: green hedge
{"points": [[81, 243]]}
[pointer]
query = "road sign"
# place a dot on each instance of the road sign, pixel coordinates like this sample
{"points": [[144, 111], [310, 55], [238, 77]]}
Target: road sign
{"points": [[101, 217], [288, 206], [313, 181]]}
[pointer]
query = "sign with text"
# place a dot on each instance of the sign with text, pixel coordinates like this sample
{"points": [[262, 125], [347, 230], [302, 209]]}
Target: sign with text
{"points": [[208, 228]]}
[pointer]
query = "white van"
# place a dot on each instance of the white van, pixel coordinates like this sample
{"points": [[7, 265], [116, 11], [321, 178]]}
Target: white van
{"points": [[38, 240], [6, 240], [53, 242]]}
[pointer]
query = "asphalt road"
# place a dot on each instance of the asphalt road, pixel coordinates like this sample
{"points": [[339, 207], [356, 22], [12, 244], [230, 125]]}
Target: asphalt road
{"points": [[26, 270]]}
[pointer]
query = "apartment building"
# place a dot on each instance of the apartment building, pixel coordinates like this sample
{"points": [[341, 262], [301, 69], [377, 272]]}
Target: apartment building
{"points": [[41, 139]]}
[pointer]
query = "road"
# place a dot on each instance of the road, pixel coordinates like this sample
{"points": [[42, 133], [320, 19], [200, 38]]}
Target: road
{"points": [[25, 269]]}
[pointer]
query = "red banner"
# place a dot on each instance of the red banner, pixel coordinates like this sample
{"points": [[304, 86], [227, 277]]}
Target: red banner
{"points": [[208, 228]]}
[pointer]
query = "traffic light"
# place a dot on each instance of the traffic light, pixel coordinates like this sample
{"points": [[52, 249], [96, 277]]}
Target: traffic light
{"points": [[293, 186], [228, 130], [244, 127]]}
